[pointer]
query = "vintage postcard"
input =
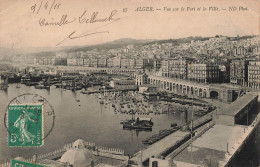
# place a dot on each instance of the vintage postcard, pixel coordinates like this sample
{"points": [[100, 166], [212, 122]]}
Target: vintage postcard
{"points": [[129, 83]]}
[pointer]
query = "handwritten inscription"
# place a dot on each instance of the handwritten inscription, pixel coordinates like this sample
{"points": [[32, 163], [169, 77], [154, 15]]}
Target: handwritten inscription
{"points": [[81, 19], [45, 5], [63, 21], [46, 9], [48, 20], [94, 18]]}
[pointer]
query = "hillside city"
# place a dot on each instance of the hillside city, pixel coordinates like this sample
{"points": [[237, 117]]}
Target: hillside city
{"points": [[219, 59]]}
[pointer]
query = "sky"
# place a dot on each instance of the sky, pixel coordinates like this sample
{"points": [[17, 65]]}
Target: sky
{"points": [[20, 20]]}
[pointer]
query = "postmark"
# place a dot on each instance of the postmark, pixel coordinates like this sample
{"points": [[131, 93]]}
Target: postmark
{"points": [[29, 119], [25, 124], [17, 163]]}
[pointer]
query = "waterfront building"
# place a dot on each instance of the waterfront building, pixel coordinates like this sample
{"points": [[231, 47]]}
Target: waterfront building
{"points": [[86, 62], [122, 84], [254, 74], [72, 62], [148, 89], [110, 62], [60, 61], [141, 63], [116, 62], [239, 72], [125, 63], [93, 62], [80, 62], [203, 72], [157, 64], [102, 62], [224, 73], [141, 79], [179, 68], [48, 61], [44, 61], [165, 68], [176, 68], [223, 92], [236, 112], [131, 63]]}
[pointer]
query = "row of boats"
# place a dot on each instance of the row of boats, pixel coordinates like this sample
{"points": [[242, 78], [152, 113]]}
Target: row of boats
{"points": [[46, 81], [162, 133], [139, 112], [134, 104], [68, 83]]}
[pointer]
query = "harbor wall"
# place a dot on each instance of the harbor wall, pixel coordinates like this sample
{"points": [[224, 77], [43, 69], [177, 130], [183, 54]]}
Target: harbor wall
{"points": [[243, 156]]}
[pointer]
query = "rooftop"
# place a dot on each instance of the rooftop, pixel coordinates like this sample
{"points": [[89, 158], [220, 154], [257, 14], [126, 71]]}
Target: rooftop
{"points": [[212, 146], [235, 107]]}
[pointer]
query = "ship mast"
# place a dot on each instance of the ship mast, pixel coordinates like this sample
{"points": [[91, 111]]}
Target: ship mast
{"points": [[192, 127]]}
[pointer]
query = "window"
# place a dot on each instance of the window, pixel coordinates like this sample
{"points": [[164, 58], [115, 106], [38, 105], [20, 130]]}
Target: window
{"points": [[154, 164]]}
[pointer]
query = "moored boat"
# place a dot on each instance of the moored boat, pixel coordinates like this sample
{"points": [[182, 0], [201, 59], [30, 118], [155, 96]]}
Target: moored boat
{"points": [[138, 123]]}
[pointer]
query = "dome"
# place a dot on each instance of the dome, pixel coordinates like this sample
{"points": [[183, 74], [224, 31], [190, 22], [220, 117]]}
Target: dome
{"points": [[79, 144], [77, 157]]}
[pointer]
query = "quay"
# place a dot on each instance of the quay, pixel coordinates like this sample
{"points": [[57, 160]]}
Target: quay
{"points": [[217, 140], [108, 90], [164, 145]]}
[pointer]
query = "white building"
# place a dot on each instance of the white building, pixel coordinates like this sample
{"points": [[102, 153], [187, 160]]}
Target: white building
{"points": [[123, 84]]}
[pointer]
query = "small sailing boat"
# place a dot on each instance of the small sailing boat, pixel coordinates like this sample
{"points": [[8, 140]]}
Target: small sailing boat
{"points": [[45, 85]]}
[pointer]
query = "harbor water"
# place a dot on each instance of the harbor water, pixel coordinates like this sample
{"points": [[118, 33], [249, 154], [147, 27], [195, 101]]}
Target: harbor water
{"points": [[80, 116]]}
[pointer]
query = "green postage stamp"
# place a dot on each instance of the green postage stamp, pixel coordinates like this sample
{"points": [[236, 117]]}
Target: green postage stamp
{"points": [[16, 163], [25, 125]]}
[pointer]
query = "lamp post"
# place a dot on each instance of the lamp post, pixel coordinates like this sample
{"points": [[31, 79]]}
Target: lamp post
{"points": [[192, 127]]}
